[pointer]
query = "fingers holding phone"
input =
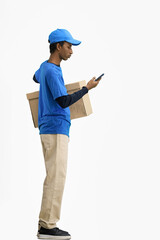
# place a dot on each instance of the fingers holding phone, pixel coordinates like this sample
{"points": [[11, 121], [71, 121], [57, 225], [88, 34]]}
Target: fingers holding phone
{"points": [[94, 82]]}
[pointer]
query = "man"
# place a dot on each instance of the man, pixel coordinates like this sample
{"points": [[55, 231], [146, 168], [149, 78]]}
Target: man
{"points": [[54, 124]]}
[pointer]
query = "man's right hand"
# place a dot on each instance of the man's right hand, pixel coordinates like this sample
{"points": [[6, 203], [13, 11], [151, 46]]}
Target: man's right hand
{"points": [[92, 83]]}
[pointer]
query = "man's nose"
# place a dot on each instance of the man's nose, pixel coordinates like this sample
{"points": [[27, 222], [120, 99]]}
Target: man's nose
{"points": [[71, 51]]}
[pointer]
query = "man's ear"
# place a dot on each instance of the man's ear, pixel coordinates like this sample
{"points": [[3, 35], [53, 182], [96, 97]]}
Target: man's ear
{"points": [[58, 46]]}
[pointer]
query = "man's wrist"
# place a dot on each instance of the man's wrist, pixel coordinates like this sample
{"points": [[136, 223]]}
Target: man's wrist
{"points": [[85, 87]]}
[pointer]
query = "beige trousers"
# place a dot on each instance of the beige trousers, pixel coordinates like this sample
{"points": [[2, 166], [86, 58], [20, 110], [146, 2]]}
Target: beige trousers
{"points": [[55, 151]]}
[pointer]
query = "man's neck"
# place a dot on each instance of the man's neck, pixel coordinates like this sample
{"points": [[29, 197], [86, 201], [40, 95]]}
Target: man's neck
{"points": [[54, 58]]}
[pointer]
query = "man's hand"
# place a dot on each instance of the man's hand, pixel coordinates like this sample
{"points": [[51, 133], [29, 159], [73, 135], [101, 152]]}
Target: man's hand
{"points": [[92, 83]]}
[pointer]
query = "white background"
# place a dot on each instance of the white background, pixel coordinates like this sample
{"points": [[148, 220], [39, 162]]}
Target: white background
{"points": [[112, 188]]}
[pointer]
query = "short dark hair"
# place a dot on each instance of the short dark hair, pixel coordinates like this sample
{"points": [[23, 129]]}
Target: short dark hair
{"points": [[53, 46]]}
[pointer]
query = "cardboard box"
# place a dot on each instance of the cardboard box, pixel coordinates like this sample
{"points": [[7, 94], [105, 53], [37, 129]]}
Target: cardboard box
{"points": [[79, 109]]}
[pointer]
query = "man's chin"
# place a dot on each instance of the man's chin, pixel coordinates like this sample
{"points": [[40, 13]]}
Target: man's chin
{"points": [[65, 59]]}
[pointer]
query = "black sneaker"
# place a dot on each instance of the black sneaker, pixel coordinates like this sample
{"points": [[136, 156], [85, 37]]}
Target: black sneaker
{"points": [[54, 233]]}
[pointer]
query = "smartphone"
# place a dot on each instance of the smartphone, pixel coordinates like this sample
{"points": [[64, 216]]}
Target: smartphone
{"points": [[99, 77]]}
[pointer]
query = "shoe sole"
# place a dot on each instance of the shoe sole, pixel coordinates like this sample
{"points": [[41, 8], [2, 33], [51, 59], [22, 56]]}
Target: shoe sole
{"points": [[41, 236]]}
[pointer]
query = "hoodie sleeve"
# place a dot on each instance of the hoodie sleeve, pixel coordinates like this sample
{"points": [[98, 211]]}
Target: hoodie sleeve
{"points": [[68, 100], [36, 77]]}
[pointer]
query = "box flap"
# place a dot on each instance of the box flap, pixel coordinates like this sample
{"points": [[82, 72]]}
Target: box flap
{"points": [[75, 86], [32, 95]]}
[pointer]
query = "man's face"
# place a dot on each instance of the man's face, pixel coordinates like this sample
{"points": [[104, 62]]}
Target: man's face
{"points": [[65, 51]]}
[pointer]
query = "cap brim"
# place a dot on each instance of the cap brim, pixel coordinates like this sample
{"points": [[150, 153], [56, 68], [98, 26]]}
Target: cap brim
{"points": [[74, 42]]}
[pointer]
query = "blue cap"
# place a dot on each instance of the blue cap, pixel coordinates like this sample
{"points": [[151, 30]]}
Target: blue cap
{"points": [[60, 35]]}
